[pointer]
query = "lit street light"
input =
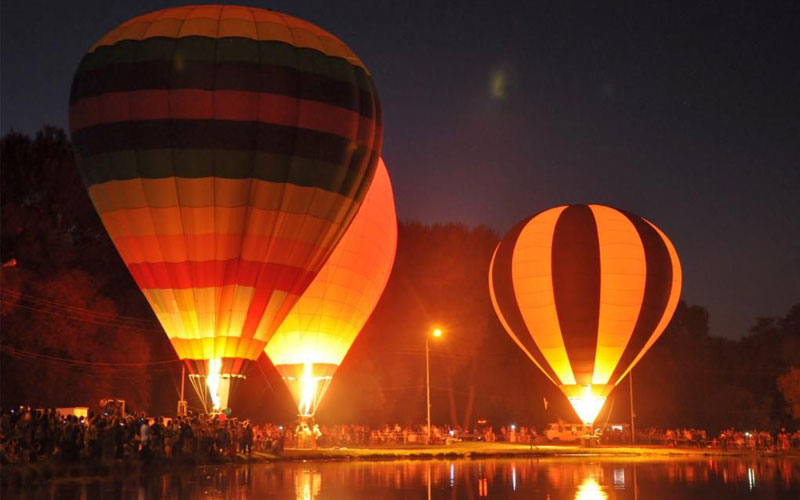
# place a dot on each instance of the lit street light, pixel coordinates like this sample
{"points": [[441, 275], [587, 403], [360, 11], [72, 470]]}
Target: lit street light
{"points": [[437, 332]]}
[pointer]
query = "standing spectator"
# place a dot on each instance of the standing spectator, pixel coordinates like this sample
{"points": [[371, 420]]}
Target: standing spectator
{"points": [[144, 438]]}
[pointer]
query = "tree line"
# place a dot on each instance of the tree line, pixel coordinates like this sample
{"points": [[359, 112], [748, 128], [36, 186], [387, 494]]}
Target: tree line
{"points": [[76, 329]]}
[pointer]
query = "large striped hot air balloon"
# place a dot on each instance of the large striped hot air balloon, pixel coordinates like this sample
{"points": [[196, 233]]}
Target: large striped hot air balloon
{"points": [[585, 291], [312, 341], [226, 150]]}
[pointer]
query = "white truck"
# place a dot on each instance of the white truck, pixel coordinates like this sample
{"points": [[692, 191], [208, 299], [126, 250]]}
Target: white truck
{"points": [[566, 433]]}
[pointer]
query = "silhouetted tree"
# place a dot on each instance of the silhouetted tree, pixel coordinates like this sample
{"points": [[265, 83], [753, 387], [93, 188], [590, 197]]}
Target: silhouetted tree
{"points": [[789, 385], [690, 378]]}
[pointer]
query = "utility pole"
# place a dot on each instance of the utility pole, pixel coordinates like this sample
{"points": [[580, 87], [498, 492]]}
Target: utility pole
{"points": [[633, 415], [182, 403], [436, 333], [428, 386]]}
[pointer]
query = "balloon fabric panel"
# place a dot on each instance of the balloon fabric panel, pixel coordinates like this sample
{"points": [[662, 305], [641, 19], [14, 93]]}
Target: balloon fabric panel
{"points": [[332, 311], [591, 286], [505, 269], [226, 150], [317, 334], [576, 287], [532, 275], [624, 269]]}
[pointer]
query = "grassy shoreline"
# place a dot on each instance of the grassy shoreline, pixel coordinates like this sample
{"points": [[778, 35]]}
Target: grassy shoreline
{"points": [[24, 474]]}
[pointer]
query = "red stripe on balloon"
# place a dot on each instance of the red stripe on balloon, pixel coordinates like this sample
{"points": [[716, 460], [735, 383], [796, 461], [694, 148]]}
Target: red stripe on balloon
{"points": [[184, 275], [197, 104], [194, 247], [576, 287]]}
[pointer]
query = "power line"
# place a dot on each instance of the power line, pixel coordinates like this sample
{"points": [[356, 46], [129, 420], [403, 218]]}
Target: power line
{"points": [[62, 305], [46, 357], [16, 298]]}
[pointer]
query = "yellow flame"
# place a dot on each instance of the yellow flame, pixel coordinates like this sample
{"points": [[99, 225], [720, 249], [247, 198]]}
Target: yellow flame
{"points": [[587, 406], [212, 381], [590, 490], [308, 389]]}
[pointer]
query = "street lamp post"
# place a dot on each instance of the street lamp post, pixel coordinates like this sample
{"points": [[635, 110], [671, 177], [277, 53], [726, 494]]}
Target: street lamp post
{"points": [[437, 332]]}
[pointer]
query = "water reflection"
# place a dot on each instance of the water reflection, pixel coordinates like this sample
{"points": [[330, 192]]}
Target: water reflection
{"points": [[307, 484], [551, 479], [590, 490]]}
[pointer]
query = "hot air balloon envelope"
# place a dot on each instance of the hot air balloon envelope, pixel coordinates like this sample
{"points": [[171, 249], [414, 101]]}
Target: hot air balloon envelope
{"points": [[226, 150], [313, 340], [585, 291]]}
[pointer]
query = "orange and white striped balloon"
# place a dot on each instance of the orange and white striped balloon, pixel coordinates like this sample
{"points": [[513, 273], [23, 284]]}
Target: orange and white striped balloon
{"points": [[585, 291]]}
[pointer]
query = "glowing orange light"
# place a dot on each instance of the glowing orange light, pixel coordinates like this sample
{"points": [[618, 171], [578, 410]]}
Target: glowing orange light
{"points": [[220, 245], [307, 484], [589, 489], [587, 405], [314, 338], [572, 287], [218, 384], [212, 380], [437, 332], [308, 386]]}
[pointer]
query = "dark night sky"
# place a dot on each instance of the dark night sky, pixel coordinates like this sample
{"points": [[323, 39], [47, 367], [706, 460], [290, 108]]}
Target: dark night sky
{"points": [[688, 115]]}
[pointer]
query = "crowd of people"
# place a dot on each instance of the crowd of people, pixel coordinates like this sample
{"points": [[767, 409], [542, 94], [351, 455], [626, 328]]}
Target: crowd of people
{"points": [[727, 439], [28, 435]]}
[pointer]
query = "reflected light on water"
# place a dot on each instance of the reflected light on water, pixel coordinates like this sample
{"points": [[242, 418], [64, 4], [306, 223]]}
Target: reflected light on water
{"points": [[624, 478], [619, 479], [452, 474], [307, 484], [483, 488], [590, 490], [514, 477]]}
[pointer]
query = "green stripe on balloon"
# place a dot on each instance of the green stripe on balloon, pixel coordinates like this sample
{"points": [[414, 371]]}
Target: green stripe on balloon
{"points": [[266, 78], [227, 164], [226, 50], [270, 79], [218, 134]]}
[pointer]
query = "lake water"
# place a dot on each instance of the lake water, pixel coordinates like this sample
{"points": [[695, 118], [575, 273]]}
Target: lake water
{"points": [[549, 479]]}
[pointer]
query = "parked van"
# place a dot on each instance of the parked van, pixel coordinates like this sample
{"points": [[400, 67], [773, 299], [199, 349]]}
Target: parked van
{"points": [[566, 433]]}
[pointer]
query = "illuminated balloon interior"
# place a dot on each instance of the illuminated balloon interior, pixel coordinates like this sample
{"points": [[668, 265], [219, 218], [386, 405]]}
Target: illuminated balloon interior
{"points": [[213, 385], [316, 335], [587, 405], [307, 383]]}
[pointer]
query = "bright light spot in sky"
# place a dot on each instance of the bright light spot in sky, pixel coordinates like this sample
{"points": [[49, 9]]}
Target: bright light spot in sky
{"points": [[498, 82]]}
